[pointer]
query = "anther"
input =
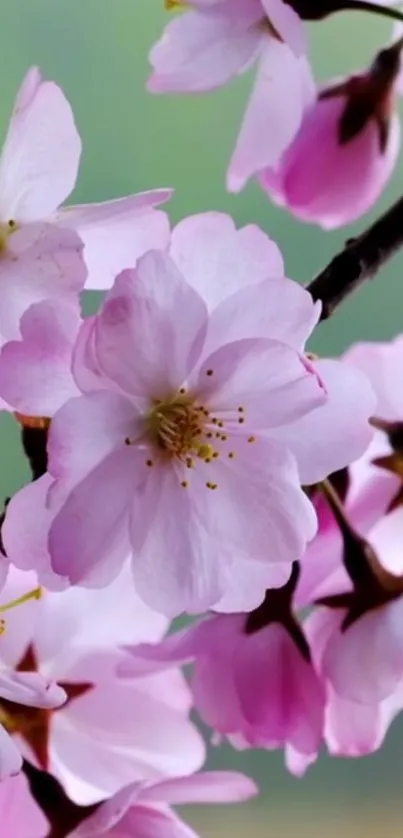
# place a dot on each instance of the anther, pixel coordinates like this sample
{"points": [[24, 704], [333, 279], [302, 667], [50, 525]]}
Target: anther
{"points": [[184, 484], [231, 455], [182, 391], [220, 424], [209, 372], [224, 437], [241, 409], [210, 435], [241, 420], [252, 439], [128, 441], [216, 454], [149, 463]]}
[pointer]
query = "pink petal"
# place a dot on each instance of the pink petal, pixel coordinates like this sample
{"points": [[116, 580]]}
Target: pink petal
{"points": [[141, 821], [30, 689], [382, 363], [276, 308], [88, 538], [205, 787], [218, 260], [18, 808], [365, 663], [40, 157], [144, 303], [250, 512], [43, 262], [385, 537], [272, 382], [271, 120], [200, 51], [28, 544], [35, 372], [339, 427], [10, 759], [116, 233], [165, 524], [288, 24]]}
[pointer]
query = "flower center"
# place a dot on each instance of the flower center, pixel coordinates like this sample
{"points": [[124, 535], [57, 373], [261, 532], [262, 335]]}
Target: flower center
{"points": [[6, 229], [177, 428]]}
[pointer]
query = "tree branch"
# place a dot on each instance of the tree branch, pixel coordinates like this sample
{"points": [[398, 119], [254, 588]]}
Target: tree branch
{"points": [[360, 260]]}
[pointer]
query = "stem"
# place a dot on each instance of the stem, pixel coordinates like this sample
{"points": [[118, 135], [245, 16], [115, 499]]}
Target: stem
{"points": [[373, 8], [360, 260], [35, 594]]}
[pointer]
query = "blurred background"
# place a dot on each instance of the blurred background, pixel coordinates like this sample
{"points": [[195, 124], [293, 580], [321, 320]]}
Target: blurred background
{"points": [[96, 50]]}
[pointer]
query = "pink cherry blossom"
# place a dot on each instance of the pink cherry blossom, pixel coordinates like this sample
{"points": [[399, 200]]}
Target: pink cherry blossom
{"points": [[110, 731], [256, 687], [171, 453], [38, 170], [345, 151], [20, 817], [144, 809], [210, 42]]}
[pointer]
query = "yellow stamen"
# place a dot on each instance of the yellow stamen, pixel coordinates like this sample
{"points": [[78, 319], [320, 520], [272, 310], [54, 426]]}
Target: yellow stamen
{"points": [[35, 594]]}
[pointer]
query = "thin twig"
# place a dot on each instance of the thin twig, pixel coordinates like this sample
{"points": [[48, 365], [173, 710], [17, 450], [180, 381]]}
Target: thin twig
{"points": [[360, 260]]}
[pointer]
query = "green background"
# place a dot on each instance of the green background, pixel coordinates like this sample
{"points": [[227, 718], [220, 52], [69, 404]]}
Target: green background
{"points": [[97, 51]]}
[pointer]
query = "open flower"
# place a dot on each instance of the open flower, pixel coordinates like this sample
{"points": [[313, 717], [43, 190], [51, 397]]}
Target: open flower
{"points": [[109, 731], [184, 460], [38, 170], [210, 42], [345, 150]]}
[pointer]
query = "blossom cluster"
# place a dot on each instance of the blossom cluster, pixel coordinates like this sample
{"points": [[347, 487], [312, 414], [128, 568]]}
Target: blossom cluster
{"points": [[190, 456]]}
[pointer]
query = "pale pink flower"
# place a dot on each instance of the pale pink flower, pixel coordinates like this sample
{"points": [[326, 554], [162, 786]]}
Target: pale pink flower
{"points": [[110, 731], [211, 42], [183, 454], [143, 810], [38, 170], [345, 151], [253, 681], [20, 817], [239, 275]]}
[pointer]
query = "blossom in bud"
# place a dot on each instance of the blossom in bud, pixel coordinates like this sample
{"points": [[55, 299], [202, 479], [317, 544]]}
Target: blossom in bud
{"points": [[144, 809], [253, 681], [109, 732], [38, 170], [20, 816], [345, 150], [208, 43], [351, 729]]}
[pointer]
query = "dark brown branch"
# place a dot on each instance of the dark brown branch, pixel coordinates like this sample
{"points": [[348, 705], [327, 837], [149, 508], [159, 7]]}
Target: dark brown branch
{"points": [[360, 260]]}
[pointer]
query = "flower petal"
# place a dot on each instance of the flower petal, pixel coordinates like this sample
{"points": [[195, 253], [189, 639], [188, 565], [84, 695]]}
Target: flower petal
{"points": [[144, 303], [40, 158]]}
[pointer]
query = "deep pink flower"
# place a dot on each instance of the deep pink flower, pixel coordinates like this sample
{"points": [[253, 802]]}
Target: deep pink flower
{"points": [[255, 687], [345, 150], [38, 170], [20, 817], [143, 810], [214, 40], [110, 731]]}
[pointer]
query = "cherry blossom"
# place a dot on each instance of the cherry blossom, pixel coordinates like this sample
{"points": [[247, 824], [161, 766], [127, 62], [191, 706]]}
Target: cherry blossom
{"points": [[38, 170], [144, 809], [255, 687], [108, 732], [208, 43], [346, 149]]}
